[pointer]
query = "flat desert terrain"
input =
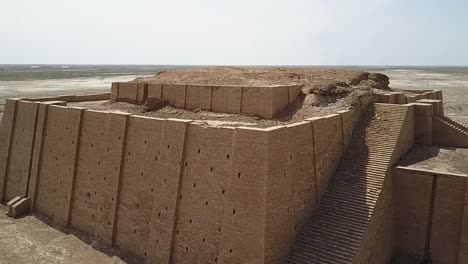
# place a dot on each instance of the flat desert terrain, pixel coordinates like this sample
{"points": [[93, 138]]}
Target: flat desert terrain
{"points": [[452, 82]]}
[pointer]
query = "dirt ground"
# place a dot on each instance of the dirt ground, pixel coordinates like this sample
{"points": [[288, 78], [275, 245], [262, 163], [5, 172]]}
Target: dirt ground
{"points": [[30, 240], [436, 158]]}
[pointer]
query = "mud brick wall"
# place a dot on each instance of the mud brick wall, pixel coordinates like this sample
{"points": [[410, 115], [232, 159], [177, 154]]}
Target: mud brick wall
{"points": [[401, 98], [291, 186], [329, 148], [377, 245], [412, 202], [447, 135], [52, 191], [170, 190], [262, 101], [447, 218], [141, 160], [429, 215], [72, 98], [463, 254], [6, 131], [20, 150], [423, 123], [407, 137]]}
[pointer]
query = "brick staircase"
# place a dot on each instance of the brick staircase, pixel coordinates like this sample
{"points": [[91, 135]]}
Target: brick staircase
{"points": [[335, 232], [454, 124]]}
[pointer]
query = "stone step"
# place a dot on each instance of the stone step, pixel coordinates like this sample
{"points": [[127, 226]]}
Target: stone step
{"points": [[334, 233]]}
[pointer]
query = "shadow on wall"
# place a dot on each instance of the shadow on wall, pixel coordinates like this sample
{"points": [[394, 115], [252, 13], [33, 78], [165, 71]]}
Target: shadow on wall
{"points": [[287, 113], [420, 154]]}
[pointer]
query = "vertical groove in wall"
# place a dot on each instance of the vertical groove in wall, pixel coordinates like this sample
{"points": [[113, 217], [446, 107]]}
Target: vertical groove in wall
{"points": [[342, 134], [136, 96], [430, 220], [226, 187], [211, 98], [185, 98], [118, 90], [241, 95], [73, 184], [145, 95], [119, 180], [265, 190], [33, 143], [176, 209], [160, 91], [152, 257], [314, 160], [75, 166], [4, 180]]}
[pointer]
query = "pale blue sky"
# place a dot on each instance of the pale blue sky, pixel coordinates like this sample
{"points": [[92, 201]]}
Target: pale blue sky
{"points": [[207, 32]]}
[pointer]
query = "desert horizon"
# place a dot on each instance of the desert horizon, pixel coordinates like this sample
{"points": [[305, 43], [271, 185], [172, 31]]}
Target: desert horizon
{"points": [[35, 80]]}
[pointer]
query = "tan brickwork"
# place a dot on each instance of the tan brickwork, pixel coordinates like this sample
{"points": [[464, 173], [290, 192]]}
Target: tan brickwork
{"points": [[140, 160], [6, 135], [264, 101], [21, 147], [328, 149], [128, 92], [447, 219], [175, 191], [412, 201]]}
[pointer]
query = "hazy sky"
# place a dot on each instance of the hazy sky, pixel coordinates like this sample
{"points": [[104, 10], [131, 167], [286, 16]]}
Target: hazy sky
{"points": [[292, 32]]}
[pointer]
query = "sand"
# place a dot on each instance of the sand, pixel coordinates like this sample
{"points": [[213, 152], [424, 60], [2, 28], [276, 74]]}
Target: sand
{"points": [[31, 240], [436, 158]]}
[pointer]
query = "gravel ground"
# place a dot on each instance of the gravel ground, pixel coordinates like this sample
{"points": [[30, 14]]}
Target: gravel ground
{"points": [[31, 240]]}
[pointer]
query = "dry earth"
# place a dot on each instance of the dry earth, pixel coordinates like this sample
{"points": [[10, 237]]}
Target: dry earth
{"points": [[436, 158], [31, 240]]}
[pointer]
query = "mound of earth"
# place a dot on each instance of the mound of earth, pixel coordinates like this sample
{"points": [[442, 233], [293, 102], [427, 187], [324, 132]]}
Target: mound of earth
{"points": [[314, 80]]}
